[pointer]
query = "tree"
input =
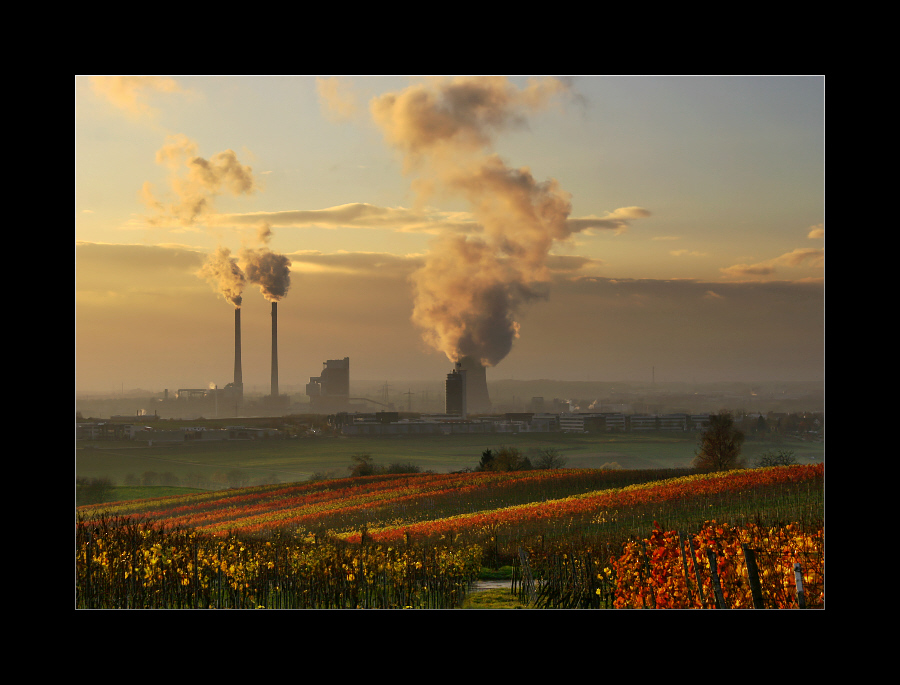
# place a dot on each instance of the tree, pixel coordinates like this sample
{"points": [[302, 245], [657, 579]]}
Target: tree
{"points": [[487, 460], [506, 459], [720, 445], [549, 458], [776, 458], [362, 465], [92, 490]]}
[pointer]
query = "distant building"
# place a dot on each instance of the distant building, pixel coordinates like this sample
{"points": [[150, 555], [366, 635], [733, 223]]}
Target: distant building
{"points": [[455, 386], [478, 400], [330, 391]]}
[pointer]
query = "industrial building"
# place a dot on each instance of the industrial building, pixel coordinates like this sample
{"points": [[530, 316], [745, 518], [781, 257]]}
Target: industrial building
{"points": [[477, 399], [330, 391], [466, 389], [455, 404]]}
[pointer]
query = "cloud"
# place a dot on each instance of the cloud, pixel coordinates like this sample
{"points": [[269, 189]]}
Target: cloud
{"points": [[817, 231], [618, 221], [812, 257], [572, 264], [376, 264], [686, 253], [112, 269], [194, 181], [612, 328], [360, 215], [130, 93], [426, 220], [337, 99]]}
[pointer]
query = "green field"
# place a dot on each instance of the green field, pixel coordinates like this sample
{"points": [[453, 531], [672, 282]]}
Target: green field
{"points": [[296, 459]]}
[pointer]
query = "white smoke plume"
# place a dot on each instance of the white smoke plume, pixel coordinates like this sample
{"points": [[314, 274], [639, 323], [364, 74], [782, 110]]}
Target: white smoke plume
{"points": [[221, 270], [471, 288]]}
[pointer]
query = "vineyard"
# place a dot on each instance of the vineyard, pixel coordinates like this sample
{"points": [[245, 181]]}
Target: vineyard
{"points": [[578, 538]]}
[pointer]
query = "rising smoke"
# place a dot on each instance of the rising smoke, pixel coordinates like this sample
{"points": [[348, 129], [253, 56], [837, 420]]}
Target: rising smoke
{"points": [[195, 181], [269, 270], [221, 270], [471, 288]]}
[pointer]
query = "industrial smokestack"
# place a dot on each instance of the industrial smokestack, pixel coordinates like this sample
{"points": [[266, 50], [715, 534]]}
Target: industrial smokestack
{"points": [[274, 349], [238, 372]]}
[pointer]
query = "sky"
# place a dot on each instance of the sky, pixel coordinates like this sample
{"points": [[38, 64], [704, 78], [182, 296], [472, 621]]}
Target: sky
{"points": [[618, 228]]}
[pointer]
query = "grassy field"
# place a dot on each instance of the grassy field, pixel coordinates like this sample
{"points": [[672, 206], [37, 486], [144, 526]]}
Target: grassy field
{"points": [[291, 460]]}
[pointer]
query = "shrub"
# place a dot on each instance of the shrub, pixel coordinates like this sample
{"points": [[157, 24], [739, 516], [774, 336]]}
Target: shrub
{"points": [[776, 458]]}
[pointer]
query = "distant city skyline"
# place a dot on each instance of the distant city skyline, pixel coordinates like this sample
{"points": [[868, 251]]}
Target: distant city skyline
{"points": [[563, 228]]}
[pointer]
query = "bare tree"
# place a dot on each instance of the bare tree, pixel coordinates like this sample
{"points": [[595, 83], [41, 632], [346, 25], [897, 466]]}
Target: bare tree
{"points": [[549, 458], [776, 458], [720, 445]]}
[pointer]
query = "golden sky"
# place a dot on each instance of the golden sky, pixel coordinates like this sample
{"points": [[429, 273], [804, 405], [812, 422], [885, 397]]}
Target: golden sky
{"points": [[565, 228]]}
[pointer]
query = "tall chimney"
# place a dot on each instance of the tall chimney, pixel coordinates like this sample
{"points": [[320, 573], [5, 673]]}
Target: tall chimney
{"points": [[238, 372], [274, 349]]}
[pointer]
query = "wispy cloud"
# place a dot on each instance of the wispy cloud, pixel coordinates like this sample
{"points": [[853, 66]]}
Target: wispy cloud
{"points": [[194, 181], [618, 221], [132, 94], [811, 257], [337, 99], [817, 231], [361, 215], [686, 253], [405, 220]]}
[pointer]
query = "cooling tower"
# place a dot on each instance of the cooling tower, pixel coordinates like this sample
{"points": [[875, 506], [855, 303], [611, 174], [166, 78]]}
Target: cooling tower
{"points": [[477, 399], [238, 372], [274, 349]]}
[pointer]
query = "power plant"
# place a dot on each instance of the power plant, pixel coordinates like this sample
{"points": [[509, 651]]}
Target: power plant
{"points": [[466, 390]]}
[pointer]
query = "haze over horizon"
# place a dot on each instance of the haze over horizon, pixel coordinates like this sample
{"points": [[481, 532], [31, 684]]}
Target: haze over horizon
{"points": [[563, 228]]}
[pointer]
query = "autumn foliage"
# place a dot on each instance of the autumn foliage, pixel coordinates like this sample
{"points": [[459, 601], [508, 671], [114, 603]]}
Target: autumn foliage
{"points": [[617, 539]]}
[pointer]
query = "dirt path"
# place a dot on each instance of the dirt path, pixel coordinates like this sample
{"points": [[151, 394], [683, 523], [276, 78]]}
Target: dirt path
{"points": [[483, 585]]}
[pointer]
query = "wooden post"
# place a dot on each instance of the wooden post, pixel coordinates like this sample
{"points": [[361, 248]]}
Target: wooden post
{"points": [[527, 578], [714, 574], [648, 583], [753, 577], [690, 545], [798, 580], [687, 575]]}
